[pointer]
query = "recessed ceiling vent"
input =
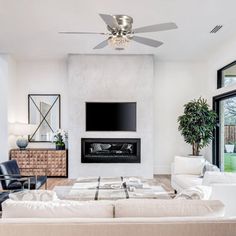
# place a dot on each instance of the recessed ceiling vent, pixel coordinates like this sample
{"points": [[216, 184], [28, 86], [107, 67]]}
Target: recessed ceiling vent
{"points": [[216, 29]]}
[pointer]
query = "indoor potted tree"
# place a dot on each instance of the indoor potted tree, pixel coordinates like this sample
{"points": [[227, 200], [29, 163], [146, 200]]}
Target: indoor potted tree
{"points": [[197, 124]]}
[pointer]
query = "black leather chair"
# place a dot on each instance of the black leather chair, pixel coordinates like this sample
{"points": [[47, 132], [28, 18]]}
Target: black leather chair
{"points": [[4, 195], [11, 169]]}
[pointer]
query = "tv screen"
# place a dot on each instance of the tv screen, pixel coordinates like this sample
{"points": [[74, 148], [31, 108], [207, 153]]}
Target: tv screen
{"points": [[110, 116]]}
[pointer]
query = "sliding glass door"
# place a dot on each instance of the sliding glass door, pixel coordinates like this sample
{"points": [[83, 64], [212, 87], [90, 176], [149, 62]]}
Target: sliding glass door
{"points": [[224, 148]]}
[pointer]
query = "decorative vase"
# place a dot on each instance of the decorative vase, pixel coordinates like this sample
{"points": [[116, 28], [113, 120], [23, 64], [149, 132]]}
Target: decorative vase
{"points": [[60, 147], [22, 143]]}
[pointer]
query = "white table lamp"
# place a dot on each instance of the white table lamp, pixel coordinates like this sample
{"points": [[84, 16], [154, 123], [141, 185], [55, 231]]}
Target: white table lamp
{"points": [[21, 130]]}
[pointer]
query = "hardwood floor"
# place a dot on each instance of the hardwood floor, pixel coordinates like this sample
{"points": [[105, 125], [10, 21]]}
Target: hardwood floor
{"points": [[52, 182], [163, 180]]}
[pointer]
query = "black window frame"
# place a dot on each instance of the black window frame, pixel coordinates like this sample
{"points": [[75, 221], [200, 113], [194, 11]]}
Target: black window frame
{"points": [[219, 74], [216, 137]]}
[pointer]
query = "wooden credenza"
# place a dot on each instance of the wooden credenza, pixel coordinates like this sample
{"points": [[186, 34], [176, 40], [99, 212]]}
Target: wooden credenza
{"points": [[55, 162]]}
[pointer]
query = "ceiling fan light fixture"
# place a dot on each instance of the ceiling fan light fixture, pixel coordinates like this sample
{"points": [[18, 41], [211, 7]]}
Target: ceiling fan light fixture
{"points": [[121, 32], [118, 41]]}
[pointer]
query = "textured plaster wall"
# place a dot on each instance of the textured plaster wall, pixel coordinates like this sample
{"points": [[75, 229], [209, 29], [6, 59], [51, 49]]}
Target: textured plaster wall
{"points": [[113, 78]]}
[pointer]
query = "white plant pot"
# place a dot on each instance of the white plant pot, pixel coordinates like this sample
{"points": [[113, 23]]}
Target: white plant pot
{"points": [[200, 156], [229, 148]]}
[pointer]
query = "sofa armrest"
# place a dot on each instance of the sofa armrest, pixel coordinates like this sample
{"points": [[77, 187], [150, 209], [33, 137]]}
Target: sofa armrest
{"points": [[215, 177], [226, 193]]}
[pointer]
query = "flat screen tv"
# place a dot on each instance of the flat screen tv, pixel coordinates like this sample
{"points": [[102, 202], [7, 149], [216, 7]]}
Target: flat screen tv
{"points": [[112, 116]]}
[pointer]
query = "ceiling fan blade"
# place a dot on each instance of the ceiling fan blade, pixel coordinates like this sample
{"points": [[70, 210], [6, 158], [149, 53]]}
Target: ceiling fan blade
{"points": [[71, 32], [147, 41], [155, 28], [102, 44], [110, 21]]}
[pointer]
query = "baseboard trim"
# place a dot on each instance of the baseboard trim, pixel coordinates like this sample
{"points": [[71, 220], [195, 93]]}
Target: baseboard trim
{"points": [[162, 169]]}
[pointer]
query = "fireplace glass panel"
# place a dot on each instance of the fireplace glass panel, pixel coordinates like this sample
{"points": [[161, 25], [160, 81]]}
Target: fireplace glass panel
{"points": [[110, 150]]}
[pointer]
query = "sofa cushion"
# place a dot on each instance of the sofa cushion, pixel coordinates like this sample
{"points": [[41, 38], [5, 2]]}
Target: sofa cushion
{"points": [[57, 209], [168, 208], [34, 195], [218, 178], [189, 165], [187, 181], [199, 192]]}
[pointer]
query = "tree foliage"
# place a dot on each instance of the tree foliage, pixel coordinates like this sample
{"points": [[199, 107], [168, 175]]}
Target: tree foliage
{"points": [[230, 111], [197, 124]]}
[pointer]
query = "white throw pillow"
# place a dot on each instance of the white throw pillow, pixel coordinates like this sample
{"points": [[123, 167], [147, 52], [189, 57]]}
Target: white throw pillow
{"points": [[57, 209], [209, 167], [218, 178], [189, 165], [168, 208], [199, 192], [34, 195]]}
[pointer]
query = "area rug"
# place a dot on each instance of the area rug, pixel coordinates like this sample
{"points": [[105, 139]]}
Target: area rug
{"points": [[101, 188]]}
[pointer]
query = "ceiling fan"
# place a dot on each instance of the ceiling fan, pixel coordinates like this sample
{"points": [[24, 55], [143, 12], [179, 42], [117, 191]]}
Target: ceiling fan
{"points": [[121, 32]]}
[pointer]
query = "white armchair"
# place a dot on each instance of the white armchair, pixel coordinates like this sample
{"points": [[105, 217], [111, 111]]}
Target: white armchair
{"points": [[187, 172]]}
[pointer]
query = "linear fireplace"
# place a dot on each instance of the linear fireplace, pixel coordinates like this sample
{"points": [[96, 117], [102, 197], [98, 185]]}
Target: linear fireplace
{"points": [[110, 150]]}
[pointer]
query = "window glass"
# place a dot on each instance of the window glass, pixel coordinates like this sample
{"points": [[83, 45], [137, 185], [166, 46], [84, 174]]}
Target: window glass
{"points": [[228, 76]]}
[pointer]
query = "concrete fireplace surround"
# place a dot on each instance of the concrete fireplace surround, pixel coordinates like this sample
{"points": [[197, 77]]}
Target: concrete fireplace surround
{"points": [[117, 78]]}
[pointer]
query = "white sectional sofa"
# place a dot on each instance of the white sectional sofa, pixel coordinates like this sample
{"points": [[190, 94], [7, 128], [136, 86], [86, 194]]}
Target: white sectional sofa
{"points": [[118, 227], [189, 173], [45, 215], [119, 218]]}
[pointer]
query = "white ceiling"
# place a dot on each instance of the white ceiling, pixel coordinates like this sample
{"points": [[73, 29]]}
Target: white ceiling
{"points": [[29, 28]]}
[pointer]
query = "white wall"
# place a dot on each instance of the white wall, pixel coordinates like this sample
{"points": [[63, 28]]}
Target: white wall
{"points": [[117, 78], [176, 83], [218, 59], [38, 77], [3, 108], [7, 77]]}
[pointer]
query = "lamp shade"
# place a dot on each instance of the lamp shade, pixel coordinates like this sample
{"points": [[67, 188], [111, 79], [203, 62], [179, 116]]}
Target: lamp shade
{"points": [[21, 129]]}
